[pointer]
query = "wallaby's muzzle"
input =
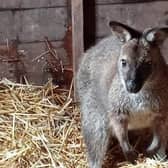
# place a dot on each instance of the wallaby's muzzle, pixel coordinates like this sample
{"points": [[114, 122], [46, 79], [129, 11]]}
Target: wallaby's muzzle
{"points": [[133, 86]]}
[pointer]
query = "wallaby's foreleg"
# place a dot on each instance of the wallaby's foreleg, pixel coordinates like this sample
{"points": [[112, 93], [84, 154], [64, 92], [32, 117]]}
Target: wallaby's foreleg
{"points": [[120, 129]]}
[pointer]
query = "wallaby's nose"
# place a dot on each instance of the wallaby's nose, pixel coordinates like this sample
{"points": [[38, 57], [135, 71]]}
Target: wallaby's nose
{"points": [[132, 86]]}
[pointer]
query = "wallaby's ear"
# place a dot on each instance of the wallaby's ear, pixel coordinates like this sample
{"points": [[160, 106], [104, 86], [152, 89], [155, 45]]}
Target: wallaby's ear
{"points": [[123, 32], [156, 35]]}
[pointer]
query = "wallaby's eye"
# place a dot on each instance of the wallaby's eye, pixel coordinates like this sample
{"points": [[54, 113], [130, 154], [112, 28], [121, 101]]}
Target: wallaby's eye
{"points": [[123, 62]]}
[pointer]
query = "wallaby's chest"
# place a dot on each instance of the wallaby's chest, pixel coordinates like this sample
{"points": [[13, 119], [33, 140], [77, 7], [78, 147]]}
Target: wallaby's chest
{"points": [[141, 120], [142, 111]]}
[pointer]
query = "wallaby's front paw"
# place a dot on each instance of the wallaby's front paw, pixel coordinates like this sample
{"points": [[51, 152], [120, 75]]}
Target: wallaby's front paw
{"points": [[131, 156]]}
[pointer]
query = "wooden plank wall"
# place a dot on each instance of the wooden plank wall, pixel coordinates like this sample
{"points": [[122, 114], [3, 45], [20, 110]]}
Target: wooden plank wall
{"points": [[139, 14], [29, 21]]}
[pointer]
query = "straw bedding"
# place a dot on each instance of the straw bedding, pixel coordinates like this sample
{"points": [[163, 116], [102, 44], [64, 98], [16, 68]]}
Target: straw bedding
{"points": [[40, 127]]}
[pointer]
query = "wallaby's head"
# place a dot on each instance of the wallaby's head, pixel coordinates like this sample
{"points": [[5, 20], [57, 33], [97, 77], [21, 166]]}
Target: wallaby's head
{"points": [[139, 55]]}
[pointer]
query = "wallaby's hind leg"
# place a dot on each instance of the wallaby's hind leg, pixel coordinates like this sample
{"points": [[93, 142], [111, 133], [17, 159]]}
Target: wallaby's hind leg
{"points": [[158, 146], [96, 142], [95, 132], [96, 148]]}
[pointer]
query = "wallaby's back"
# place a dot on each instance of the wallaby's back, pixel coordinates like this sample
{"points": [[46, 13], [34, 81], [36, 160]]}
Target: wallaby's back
{"points": [[98, 66]]}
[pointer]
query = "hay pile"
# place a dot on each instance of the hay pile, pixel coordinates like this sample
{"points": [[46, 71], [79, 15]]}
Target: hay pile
{"points": [[147, 163], [40, 127]]}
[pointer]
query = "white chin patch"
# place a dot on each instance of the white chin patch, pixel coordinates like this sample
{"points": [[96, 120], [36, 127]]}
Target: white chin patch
{"points": [[123, 83]]}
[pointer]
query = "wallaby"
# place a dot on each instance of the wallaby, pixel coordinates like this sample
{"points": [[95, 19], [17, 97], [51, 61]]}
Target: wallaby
{"points": [[122, 84]]}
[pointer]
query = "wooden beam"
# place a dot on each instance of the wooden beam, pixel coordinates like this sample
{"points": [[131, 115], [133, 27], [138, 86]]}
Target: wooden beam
{"points": [[77, 36]]}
